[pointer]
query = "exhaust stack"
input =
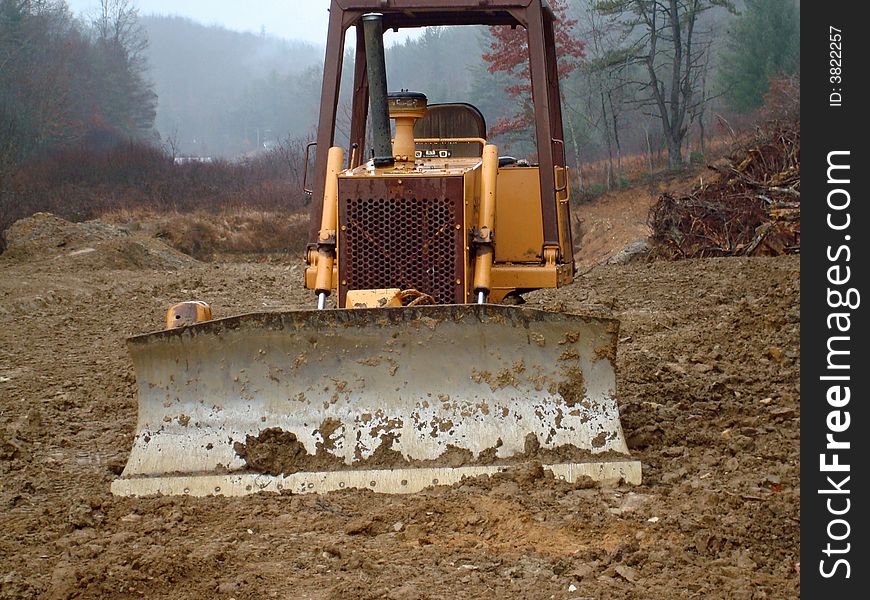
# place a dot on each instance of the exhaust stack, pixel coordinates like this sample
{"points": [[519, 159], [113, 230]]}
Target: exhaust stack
{"points": [[373, 29]]}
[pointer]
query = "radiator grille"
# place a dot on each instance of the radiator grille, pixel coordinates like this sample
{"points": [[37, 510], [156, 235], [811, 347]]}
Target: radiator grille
{"points": [[401, 243]]}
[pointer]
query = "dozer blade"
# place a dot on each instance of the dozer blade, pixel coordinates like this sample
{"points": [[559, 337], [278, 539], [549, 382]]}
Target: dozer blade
{"points": [[390, 399]]}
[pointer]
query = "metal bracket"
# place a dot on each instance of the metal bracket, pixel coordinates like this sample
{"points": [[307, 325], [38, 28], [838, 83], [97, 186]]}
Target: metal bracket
{"points": [[327, 238], [482, 236], [551, 256], [564, 166]]}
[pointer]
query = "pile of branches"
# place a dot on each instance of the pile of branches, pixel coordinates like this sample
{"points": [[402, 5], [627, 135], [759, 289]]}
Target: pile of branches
{"points": [[750, 208]]}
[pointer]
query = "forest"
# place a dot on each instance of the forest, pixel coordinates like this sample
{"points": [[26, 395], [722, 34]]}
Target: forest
{"points": [[125, 110]]}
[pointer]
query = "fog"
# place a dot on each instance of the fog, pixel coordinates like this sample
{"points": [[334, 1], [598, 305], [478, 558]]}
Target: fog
{"points": [[303, 20]]}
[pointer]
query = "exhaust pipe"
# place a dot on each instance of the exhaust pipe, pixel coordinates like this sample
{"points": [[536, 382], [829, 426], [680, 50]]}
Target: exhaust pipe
{"points": [[373, 29]]}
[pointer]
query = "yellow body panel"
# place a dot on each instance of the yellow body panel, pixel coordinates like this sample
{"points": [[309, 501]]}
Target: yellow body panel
{"points": [[374, 298], [518, 223], [511, 277]]}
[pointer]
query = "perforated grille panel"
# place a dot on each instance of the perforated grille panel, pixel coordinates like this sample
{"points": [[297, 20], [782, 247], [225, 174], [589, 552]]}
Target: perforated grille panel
{"points": [[392, 237]]}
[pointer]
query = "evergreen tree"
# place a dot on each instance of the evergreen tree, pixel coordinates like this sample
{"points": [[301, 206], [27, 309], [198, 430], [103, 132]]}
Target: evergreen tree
{"points": [[764, 43]]}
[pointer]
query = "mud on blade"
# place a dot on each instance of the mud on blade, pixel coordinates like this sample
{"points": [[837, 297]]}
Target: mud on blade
{"points": [[444, 390]]}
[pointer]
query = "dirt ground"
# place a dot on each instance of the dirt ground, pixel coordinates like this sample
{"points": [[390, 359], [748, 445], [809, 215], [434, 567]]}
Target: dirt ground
{"points": [[708, 376]]}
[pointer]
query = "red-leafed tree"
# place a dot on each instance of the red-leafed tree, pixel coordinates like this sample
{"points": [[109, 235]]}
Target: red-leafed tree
{"points": [[509, 54]]}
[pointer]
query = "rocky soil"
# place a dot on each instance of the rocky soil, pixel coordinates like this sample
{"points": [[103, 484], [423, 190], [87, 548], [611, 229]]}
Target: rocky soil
{"points": [[708, 375]]}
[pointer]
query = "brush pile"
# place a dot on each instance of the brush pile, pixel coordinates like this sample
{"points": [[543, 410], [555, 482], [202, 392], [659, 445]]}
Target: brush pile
{"points": [[750, 208]]}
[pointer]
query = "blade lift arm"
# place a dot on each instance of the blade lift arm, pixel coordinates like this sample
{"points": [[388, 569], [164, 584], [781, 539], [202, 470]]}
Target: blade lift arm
{"points": [[326, 244], [484, 235]]}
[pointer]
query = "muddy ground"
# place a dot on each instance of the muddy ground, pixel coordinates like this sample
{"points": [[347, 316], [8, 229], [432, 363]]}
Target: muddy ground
{"points": [[708, 370]]}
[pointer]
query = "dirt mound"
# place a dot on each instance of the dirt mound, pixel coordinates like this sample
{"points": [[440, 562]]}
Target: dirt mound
{"points": [[609, 225], [92, 244], [751, 206]]}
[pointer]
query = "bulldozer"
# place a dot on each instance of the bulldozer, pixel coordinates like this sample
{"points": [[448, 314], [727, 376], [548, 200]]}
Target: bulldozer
{"points": [[416, 365]]}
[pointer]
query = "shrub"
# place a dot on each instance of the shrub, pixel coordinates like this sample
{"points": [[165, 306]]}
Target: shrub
{"points": [[81, 183]]}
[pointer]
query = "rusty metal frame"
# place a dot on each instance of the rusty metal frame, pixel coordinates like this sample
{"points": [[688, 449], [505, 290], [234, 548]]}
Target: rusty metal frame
{"points": [[533, 15]]}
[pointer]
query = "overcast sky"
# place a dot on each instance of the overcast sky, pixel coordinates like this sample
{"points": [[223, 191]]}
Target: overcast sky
{"points": [[293, 19]]}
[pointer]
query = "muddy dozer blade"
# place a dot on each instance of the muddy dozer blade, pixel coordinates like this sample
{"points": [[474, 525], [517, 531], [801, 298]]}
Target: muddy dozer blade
{"points": [[391, 399]]}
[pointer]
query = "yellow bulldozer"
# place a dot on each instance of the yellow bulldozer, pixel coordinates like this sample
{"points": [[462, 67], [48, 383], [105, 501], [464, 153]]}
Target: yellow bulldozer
{"points": [[411, 371]]}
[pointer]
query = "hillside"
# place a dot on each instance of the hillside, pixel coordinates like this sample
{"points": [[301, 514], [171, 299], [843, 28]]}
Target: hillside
{"points": [[225, 93], [210, 85]]}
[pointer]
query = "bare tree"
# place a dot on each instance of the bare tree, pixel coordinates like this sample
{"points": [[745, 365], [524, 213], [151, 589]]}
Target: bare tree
{"points": [[665, 38], [129, 96], [606, 80], [118, 21], [698, 112]]}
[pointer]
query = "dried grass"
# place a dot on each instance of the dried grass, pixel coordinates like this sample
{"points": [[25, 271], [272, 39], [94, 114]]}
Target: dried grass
{"points": [[206, 235]]}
